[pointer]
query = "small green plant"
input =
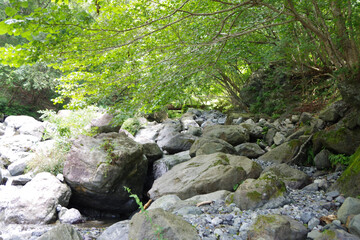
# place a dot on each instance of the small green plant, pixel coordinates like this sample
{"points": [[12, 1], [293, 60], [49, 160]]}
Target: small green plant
{"points": [[158, 230], [132, 125], [51, 161], [109, 148], [265, 130], [339, 159], [310, 157]]}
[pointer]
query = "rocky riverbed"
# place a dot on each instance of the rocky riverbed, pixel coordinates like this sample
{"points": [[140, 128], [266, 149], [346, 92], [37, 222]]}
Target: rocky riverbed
{"points": [[210, 176]]}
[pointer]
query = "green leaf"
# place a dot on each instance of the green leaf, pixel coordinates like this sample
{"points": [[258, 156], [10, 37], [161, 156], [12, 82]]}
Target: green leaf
{"points": [[3, 28], [10, 11], [24, 4]]}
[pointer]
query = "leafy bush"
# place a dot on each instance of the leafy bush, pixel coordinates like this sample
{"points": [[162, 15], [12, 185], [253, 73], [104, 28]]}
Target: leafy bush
{"points": [[339, 159], [61, 128]]}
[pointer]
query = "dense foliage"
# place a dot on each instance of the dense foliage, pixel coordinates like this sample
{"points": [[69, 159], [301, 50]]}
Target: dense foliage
{"points": [[139, 55]]}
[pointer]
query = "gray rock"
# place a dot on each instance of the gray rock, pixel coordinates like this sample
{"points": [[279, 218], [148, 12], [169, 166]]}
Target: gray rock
{"points": [[62, 232], [170, 128], [152, 151], [25, 125], [277, 227], [214, 196], [97, 169], [284, 153], [351, 206], [354, 226], [37, 201], [165, 202], [334, 112], [188, 120], [255, 193], [148, 133], [233, 134], [335, 234], [306, 217], [167, 162], [321, 160], [254, 130], [207, 145], [314, 234], [103, 124], [346, 142], [279, 138], [269, 137], [292, 177], [13, 148], [192, 210], [21, 180], [164, 224], [314, 222], [18, 167], [178, 143], [204, 174], [250, 150], [70, 216], [117, 231], [332, 194]]}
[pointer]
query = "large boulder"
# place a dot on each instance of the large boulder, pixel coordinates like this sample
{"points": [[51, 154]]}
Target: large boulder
{"points": [[338, 139], [321, 160], [148, 133], [250, 150], [334, 112], [267, 191], [98, 168], [178, 143], [204, 174], [117, 231], [169, 130], [349, 181], [16, 147], [277, 227], [292, 177], [349, 207], [284, 153], [24, 125], [233, 134], [354, 225], [167, 162], [37, 201], [152, 151], [159, 224], [207, 145], [254, 130], [62, 232]]}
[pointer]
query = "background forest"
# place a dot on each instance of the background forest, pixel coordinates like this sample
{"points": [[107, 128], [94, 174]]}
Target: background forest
{"points": [[140, 56]]}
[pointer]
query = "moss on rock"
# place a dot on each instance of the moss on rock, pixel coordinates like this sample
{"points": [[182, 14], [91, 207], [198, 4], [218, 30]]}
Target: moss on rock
{"points": [[349, 181]]}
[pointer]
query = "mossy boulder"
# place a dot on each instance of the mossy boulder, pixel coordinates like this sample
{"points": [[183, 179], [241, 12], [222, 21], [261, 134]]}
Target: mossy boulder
{"points": [[292, 177], [207, 145], [283, 153], [159, 224], [349, 181], [205, 174], [233, 134], [257, 193], [337, 139], [276, 227]]}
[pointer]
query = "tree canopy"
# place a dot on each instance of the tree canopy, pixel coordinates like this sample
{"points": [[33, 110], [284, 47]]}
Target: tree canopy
{"points": [[139, 55]]}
